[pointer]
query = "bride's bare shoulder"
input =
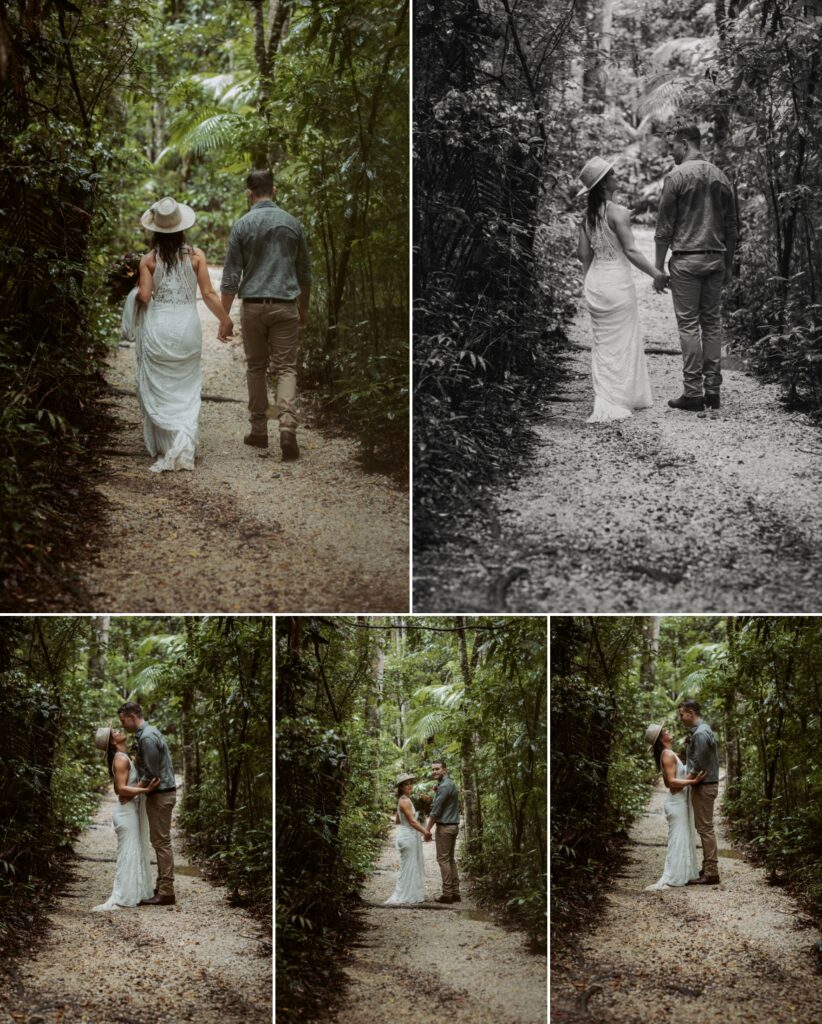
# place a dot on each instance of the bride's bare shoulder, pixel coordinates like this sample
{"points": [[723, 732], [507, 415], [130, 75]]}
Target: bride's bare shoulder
{"points": [[149, 260]]}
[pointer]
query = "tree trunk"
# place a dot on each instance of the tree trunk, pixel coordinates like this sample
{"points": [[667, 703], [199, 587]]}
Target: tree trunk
{"points": [[650, 651], [471, 800], [98, 651]]}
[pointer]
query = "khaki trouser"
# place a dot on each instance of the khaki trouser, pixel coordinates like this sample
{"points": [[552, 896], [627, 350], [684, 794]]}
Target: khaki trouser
{"points": [[158, 810], [702, 802], [445, 839], [696, 287], [270, 334]]}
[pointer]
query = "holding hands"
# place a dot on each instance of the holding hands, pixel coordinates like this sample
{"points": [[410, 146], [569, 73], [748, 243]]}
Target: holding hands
{"points": [[661, 280], [427, 836], [226, 329]]}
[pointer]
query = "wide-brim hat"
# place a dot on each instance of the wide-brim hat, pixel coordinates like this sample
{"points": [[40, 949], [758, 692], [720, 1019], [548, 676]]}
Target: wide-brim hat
{"points": [[406, 778], [652, 734], [592, 173], [102, 738], [168, 216]]}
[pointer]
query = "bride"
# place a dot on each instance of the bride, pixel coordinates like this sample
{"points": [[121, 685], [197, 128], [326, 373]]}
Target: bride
{"points": [[409, 843], [607, 249], [132, 874], [161, 317], [680, 859]]}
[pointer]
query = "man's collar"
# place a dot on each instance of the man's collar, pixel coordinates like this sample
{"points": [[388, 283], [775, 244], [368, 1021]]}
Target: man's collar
{"points": [[138, 731], [263, 202], [696, 723]]}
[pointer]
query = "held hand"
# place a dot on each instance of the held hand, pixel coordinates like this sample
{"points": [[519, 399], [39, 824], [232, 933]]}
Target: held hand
{"points": [[660, 281], [225, 330], [698, 777], [427, 837], [151, 786]]}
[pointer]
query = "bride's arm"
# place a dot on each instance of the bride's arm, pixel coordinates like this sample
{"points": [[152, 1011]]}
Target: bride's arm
{"points": [[669, 771], [146, 282], [407, 809], [121, 787], [210, 297], [622, 227]]}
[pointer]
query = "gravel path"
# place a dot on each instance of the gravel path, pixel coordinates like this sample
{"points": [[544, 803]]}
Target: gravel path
{"points": [[450, 962], [200, 960], [666, 511], [736, 953], [244, 532]]}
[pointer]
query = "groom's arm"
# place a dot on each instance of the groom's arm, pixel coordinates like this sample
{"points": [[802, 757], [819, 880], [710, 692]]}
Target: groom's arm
{"points": [[152, 756], [698, 753], [665, 223]]}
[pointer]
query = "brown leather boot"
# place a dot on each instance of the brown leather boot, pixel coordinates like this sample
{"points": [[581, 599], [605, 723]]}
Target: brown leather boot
{"points": [[289, 446], [158, 901], [256, 440]]}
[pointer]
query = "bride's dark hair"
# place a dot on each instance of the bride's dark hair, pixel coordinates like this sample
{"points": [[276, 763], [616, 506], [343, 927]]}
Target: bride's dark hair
{"points": [[167, 245], [399, 788], [111, 750], [596, 203], [659, 746]]}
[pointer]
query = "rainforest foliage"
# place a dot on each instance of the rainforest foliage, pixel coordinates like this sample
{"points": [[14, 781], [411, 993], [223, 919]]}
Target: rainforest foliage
{"points": [[757, 681], [205, 683], [358, 702], [106, 107]]}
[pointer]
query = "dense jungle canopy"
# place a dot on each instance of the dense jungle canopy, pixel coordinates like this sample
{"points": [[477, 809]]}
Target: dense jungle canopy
{"points": [[360, 701], [106, 107], [205, 683], [511, 99], [757, 680]]}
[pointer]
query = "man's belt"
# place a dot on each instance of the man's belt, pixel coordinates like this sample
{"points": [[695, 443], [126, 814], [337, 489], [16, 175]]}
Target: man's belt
{"points": [[171, 789], [256, 299], [696, 252]]}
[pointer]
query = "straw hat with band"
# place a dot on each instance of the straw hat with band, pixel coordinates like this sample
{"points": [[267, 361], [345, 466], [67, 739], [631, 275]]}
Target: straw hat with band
{"points": [[592, 173], [102, 738], [167, 216], [652, 734], [406, 778]]}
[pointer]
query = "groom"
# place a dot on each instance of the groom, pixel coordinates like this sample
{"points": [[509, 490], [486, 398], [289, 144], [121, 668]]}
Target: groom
{"points": [[268, 266], [702, 756], [154, 761], [697, 222], [445, 814]]}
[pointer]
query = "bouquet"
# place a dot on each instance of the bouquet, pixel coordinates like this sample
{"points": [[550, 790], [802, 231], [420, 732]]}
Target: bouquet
{"points": [[123, 275]]}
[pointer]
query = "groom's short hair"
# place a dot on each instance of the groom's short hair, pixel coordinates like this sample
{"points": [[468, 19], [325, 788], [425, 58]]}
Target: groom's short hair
{"points": [[261, 183], [130, 708], [690, 705], [689, 133], [439, 760]]}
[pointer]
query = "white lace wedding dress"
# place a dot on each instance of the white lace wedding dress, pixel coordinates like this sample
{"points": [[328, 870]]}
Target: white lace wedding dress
{"points": [[680, 859], [618, 359], [169, 344], [409, 886], [132, 874]]}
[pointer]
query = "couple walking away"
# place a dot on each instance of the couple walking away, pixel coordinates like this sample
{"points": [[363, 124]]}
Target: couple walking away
{"points": [[146, 794], [697, 222], [689, 805], [445, 815], [268, 266]]}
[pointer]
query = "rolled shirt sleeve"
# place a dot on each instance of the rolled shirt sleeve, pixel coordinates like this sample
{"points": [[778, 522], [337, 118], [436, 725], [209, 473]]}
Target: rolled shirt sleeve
{"points": [[666, 215], [153, 757], [233, 266]]}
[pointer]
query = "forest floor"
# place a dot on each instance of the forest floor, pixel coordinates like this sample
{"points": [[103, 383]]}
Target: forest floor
{"points": [[245, 532], [737, 953], [200, 960], [453, 961], [668, 510]]}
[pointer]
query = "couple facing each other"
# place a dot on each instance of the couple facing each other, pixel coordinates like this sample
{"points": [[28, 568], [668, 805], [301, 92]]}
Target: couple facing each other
{"points": [[697, 222], [689, 804], [445, 814], [146, 794], [267, 265]]}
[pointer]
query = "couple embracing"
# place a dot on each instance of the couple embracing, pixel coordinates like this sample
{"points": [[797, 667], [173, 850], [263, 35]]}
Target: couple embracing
{"points": [[689, 806], [697, 222], [444, 815], [146, 791], [267, 265]]}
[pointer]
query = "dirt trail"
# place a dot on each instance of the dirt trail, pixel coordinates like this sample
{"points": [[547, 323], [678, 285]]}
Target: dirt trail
{"points": [[200, 960], [450, 962], [665, 511], [736, 953], [244, 532]]}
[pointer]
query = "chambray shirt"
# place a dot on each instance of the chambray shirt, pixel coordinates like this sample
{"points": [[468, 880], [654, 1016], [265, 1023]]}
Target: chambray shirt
{"points": [[445, 809], [153, 758], [696, 210], [702, 755], [267, 257]]}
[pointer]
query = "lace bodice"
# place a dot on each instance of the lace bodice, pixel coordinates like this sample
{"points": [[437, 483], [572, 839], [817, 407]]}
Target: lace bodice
{"points": [[176, 286], [604, 241]]}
